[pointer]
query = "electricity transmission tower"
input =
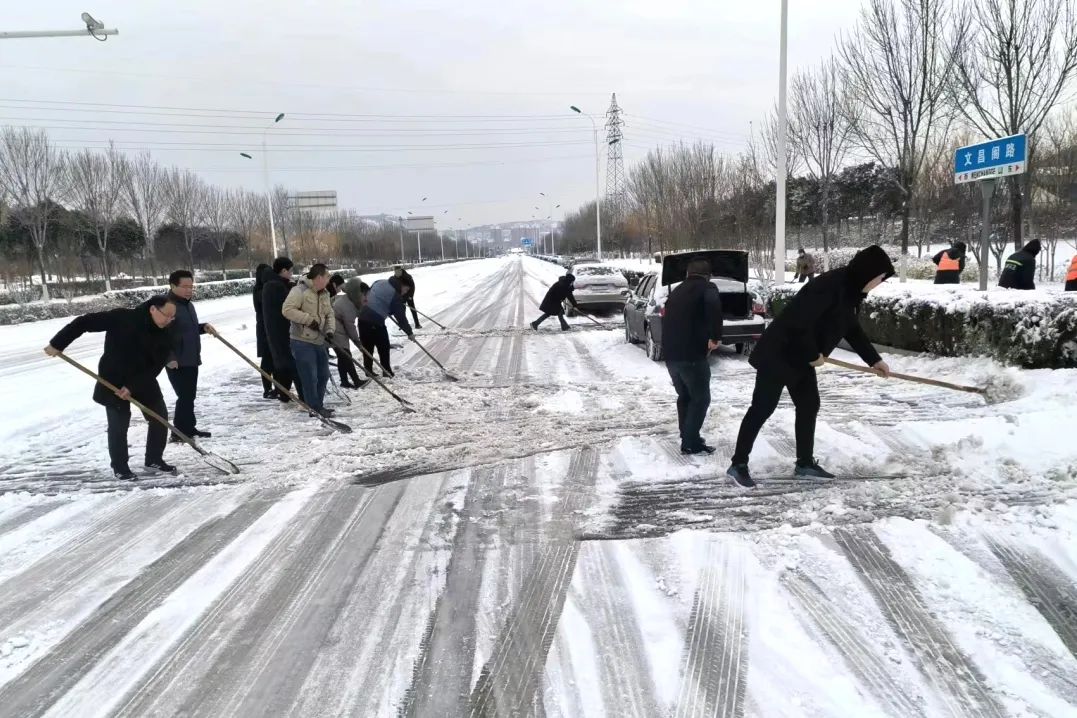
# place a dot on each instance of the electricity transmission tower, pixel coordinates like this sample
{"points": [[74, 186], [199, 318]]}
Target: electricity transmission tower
{"points": [[616, 194]]}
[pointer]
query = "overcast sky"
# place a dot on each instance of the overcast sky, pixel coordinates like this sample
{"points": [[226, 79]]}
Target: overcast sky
{"points": [[465, 103]]}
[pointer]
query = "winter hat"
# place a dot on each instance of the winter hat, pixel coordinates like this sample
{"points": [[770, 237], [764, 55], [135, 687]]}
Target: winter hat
{"points": [[353, 290], [282, 263], [1033, 247], [569, 277], [868, 264], [960, 246]]}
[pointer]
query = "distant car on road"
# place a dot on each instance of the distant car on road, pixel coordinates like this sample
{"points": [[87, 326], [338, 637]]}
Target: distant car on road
{"points": [[598, 286], [742, 324]]}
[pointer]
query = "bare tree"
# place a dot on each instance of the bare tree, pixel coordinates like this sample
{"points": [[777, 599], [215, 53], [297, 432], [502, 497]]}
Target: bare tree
{"points": [[897, 65], [185, 193], [763, 143], [96, 186], [146, 199], [821, 129], [247, 209], [1010, 72], [33, 174], [217, 213]]}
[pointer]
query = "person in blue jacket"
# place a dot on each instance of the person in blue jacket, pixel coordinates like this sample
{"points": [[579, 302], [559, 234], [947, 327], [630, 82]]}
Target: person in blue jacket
{"points": [[385, 299]]}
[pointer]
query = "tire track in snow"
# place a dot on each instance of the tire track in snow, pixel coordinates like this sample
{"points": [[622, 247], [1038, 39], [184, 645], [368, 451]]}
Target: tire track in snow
{"points": [[960, 684], [1044, 584], [716, 663], [853, 646], [441, 678], [23, 516], [34, 690], [510, 682]]}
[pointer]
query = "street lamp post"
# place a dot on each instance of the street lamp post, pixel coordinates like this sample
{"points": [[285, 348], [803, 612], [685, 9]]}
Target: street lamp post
{"points": [[265, 177], [598, 201], [779, 213]]}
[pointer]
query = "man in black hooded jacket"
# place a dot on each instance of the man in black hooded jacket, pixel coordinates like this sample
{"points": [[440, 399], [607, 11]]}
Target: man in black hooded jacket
{"points": [[274, 291], [1020, 269], [815, 320], [553, 304], [137, 347]]}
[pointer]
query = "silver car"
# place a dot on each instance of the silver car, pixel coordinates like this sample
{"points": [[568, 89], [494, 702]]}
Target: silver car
{"points": [[598, 286]]}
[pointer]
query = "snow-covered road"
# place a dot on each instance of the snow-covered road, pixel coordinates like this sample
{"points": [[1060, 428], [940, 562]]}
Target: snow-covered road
{"points": [[531, 542]]}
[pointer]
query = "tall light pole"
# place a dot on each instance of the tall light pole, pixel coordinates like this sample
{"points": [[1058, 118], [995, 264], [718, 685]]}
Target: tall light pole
{"points": [[400, 224], [779, 205], [442, 236], [265, 177], [598, 200]]}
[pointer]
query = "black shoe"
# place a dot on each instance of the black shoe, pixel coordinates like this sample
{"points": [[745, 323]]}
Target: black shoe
{"points": [[362, 383], [388, 373], [125, 474], [698, 449], [161, 466], [347, 385], [534, 325], [418, 326], [199, 434], [269, 394], [811, 470], [324, 413], [741, 476]]}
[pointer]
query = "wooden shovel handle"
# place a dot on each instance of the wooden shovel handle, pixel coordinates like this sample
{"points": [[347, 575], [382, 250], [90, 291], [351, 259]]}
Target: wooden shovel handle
{"points": [[907, 377]]}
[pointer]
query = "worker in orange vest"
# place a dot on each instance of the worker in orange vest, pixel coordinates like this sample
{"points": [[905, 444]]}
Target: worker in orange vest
{"points": [[951, 263], [1071, 276]]}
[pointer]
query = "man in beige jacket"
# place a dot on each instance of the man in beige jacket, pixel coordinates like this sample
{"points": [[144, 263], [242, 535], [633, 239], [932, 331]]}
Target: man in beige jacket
{"points": [[312, 323]]}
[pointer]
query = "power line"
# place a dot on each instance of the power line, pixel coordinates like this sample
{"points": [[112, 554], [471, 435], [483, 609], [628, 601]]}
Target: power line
{"points": [[230, 147], [433, 165]]}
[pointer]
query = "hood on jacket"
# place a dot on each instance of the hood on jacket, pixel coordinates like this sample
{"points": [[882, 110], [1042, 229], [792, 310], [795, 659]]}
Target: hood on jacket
{"points": [[960, 247], [354, 289], [570, 278], [396, 283], [867, 264], [1032, 247]]}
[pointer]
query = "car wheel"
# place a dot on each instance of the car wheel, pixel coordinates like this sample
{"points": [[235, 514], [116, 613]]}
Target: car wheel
{"points": [[654, 349]]}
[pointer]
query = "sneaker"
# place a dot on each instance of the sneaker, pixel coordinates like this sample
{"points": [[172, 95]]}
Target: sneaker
{"points": [[418, 326], [534, 326], [269, 394], [324, 413], [161, 466], [811, 470], [125, 474], [566, 329], [347, 385], [362, 383], [698, 449], [741, 476], [199, 434], [388, 373]]}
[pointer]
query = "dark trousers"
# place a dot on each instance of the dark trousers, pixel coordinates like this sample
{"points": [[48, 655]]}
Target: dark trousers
{"points": [[804, 391], [119, 420], [692, 380], [346, 367], [267, 367], [374, 336], [806, 277], [545, 316], [184, 381], [414, 314], [312, 364]]}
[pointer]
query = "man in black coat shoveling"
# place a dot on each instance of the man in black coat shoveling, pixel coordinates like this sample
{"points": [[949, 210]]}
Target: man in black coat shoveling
{"points": [[798, 341], [691, 330], [553, 304], [137, 347], [275, 290], [1020, 269]]}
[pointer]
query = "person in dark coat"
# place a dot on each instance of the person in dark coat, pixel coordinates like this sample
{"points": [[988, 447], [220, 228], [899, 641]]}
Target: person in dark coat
{"points": [[137, 347], [261, 275], [950, 263], [815, 320], [274, 292], [691, 330], [409, 281], [385, 299], [553, 304], [182, 368], [1020, 269]]}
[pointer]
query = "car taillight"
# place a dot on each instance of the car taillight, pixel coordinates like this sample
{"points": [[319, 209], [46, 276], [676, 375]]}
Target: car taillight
{"points": [[759, 309], [662, 311]]}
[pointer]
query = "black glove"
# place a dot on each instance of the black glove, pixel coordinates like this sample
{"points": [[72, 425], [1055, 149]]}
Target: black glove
{"points": [[315, 326], [329, 336]]}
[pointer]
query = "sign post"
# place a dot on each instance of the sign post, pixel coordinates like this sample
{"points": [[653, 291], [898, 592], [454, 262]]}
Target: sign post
{"points": [[986, 163]]}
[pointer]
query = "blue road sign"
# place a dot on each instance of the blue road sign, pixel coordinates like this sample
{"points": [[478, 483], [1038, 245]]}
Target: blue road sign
{"points": [[995, 158], [527, 242]]}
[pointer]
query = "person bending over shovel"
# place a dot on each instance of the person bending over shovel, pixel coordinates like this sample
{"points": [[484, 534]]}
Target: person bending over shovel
{"points": [[798, 341], [385, 299], [137, 347], [553, 304]]}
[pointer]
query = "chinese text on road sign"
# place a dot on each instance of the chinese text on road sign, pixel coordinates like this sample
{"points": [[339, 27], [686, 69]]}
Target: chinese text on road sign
{"points": [[995, 158]]}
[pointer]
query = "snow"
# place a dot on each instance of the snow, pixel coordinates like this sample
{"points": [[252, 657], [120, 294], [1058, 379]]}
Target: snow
{"points": [[549, 438]]}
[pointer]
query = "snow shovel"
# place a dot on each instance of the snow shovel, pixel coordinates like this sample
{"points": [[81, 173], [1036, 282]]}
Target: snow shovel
{"points": [[427, 316], [335, 425], [909, 377], [404, 403], [607, 327], [446, 372], [340, 393], [217, 462]]}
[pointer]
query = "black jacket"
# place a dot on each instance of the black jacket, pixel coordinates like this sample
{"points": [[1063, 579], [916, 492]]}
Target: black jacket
{"points": [[406, 280], [818, 317], [186, 333], [136, 350], [274, 293], [1020, 269], [693, 316], [553, 302], [950, 276], [264, 271]]}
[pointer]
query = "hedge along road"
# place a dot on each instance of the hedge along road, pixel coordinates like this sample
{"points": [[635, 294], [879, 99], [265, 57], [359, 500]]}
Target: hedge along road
{"points": [[430, 568]]}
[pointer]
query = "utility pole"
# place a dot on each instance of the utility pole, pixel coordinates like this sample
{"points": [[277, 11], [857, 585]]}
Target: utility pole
{"points": [[598, 198], [779, 214], [616, 192]]}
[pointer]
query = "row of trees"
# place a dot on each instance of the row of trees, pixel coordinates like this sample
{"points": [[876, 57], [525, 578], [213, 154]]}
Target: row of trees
{"points": [[61, 214], [872, 131]]}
